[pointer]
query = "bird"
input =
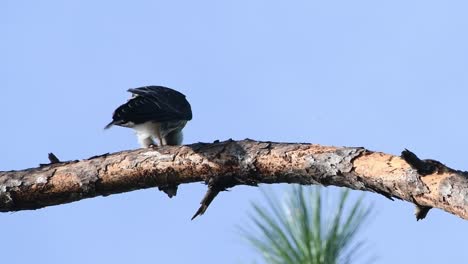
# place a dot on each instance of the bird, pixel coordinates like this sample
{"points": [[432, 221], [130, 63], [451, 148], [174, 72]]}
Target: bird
{"points": [[155, 113]]}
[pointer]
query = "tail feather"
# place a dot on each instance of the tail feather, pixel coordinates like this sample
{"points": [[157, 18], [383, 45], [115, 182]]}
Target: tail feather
{"points": [[174, 138]]}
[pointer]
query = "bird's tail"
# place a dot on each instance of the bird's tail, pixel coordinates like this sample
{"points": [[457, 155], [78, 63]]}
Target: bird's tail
{"points": [[174, 138]]}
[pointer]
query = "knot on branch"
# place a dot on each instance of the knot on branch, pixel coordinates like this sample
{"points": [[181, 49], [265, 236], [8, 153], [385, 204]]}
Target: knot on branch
{"points": [[217, 184], [424, 167], [52, 159]]}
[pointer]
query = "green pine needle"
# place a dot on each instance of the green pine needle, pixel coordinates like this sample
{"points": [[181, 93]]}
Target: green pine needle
{"points": [[295, 231]]}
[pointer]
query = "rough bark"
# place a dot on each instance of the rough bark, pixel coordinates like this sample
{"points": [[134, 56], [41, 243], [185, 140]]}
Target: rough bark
{"points": [[226, 164]]}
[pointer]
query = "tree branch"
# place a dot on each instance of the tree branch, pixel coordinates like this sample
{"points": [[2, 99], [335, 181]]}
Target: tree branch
{"points": [[226, 164]]}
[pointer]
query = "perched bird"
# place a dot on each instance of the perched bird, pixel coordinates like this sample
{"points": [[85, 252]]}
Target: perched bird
{"points": [[155, 112]]}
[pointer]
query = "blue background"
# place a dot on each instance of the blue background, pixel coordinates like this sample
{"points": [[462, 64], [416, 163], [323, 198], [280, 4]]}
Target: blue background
{"points": [[386, 75]]}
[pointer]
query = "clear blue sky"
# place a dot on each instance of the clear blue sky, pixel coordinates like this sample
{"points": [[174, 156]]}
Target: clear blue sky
{"points": [[385, 75]]}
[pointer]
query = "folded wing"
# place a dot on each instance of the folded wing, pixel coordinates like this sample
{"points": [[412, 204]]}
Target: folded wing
{"points": [[152, 103]]}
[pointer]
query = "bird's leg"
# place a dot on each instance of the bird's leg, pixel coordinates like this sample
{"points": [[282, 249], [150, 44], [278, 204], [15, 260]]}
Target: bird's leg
{"points": [[160, 138], [145, 141], [153, 145], [163, 141]]}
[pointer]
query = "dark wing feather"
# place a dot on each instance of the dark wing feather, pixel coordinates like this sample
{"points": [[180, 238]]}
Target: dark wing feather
{"points": [[153, 103]]}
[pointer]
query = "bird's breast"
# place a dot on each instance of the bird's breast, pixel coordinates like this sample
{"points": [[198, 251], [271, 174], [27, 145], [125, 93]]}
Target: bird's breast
{"points": [[149, 128]]}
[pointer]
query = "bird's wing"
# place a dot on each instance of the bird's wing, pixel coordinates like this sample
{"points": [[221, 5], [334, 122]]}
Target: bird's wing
{"points": [[153, 103]]}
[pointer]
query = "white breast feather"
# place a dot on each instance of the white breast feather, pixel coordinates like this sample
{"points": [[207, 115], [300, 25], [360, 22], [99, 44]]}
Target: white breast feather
{"points": [[146, 132], [148, 129]]}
